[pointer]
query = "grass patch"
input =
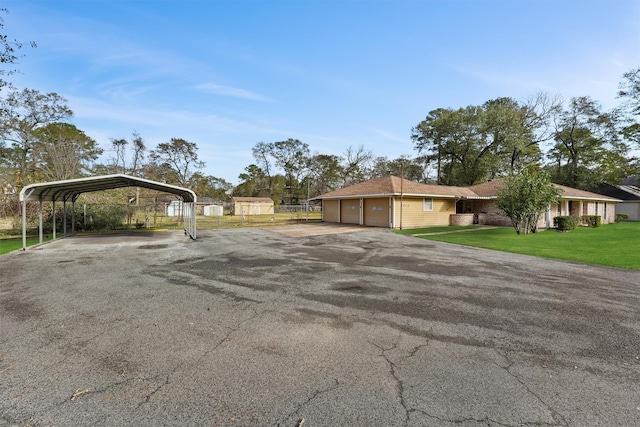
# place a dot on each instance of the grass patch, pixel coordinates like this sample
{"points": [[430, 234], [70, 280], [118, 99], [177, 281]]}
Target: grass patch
{"points": [[441, 229], [614, 245], [228, 221], [13, 244]]}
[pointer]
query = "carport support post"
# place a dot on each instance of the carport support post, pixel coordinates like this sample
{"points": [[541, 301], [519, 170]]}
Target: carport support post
{"points": [[25, 197], [40, 219], [24, 224], [194, 220], [53, 208], [64, 217], [73, 216]]}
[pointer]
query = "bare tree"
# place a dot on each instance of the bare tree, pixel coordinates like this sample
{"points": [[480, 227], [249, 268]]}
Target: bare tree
{"points": [[139, 149], [356, 161], [121, 152], [262, 152], [8, 53], [119, 148]]}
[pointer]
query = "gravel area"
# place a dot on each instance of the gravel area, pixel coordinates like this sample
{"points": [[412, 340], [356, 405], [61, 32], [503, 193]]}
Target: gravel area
{"points": [[277, 327]]}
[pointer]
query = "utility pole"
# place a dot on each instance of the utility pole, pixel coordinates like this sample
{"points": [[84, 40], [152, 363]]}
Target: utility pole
{"points": [[401, 191], [307, 198]]}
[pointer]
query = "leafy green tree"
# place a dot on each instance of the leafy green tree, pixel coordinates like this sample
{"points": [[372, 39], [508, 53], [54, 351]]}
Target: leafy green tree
{"points": [[62, 151], [325, 173], [414, 169], [587, 146], [525, 197], [629, 92], [472, 144], [176, 161], [211, 186], [22, 113], [251, 182], [459, 142], [292, 156]]}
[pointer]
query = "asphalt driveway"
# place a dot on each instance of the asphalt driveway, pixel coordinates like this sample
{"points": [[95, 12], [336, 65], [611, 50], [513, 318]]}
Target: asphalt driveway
{"points": [[253, 327]]}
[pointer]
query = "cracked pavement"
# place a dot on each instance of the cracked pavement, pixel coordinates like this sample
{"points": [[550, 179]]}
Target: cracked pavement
{"points": [[266, 327]]}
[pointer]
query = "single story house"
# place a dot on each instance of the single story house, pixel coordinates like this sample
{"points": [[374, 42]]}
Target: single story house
{"points": [[629, 196], [399, 203], [572, 202], [251, 206], [392, 202]]}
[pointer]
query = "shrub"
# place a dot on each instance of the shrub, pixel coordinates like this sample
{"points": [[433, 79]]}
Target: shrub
{"points": [[592, 220], [101, 217], [622, 217], [565, 223]]}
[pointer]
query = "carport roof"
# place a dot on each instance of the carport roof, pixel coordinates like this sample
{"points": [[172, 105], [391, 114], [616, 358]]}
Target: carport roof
{"points": [[70, 189]]}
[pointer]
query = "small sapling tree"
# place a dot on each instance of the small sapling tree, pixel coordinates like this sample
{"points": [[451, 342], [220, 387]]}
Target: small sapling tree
{"points": [[525, 197]]}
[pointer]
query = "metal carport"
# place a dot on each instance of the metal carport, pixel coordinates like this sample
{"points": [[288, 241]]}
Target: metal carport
{"points": [[69, 191]]}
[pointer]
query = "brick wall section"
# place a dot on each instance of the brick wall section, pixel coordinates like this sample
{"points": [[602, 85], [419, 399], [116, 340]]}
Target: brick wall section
{"points": [[489, 214], [461, 219]]}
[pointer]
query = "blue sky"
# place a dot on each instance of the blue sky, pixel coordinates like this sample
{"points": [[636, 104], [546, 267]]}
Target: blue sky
{"points": [[331, 73]]}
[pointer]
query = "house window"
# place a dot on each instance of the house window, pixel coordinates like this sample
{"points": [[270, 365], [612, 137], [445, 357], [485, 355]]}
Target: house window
{"points": [[605, 211], [596, 208], [427, 204]]}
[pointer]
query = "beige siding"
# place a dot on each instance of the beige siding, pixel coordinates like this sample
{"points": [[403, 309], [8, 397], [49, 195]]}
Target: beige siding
{"points": [[350, 211], [253, 208], [376, 212], [610, 213], [330, 210], [413, 215]]}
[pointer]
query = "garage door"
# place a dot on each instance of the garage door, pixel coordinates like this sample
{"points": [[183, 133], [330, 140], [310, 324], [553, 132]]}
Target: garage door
{"points": [[330, 211], [376, 212], [350, 211]]}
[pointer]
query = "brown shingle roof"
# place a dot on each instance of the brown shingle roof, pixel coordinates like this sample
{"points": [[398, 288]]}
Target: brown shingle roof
{"points": [[393, 185], [574, 193], [252, 199], [490, 189]]}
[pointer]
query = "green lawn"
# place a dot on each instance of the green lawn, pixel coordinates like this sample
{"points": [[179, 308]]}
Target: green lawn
{"points": [[10, 245], [615, 245], [442, 229]]}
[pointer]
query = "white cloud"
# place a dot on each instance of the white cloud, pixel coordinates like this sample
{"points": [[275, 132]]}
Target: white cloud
{"points": [[234, 92]]}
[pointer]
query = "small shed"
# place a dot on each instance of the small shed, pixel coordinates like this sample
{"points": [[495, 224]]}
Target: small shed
{"points": [[213, 210], [174, 208], [251, 206]]}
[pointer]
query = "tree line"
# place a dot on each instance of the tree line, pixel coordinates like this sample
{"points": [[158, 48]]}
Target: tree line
{"points": [[576, 142]]}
